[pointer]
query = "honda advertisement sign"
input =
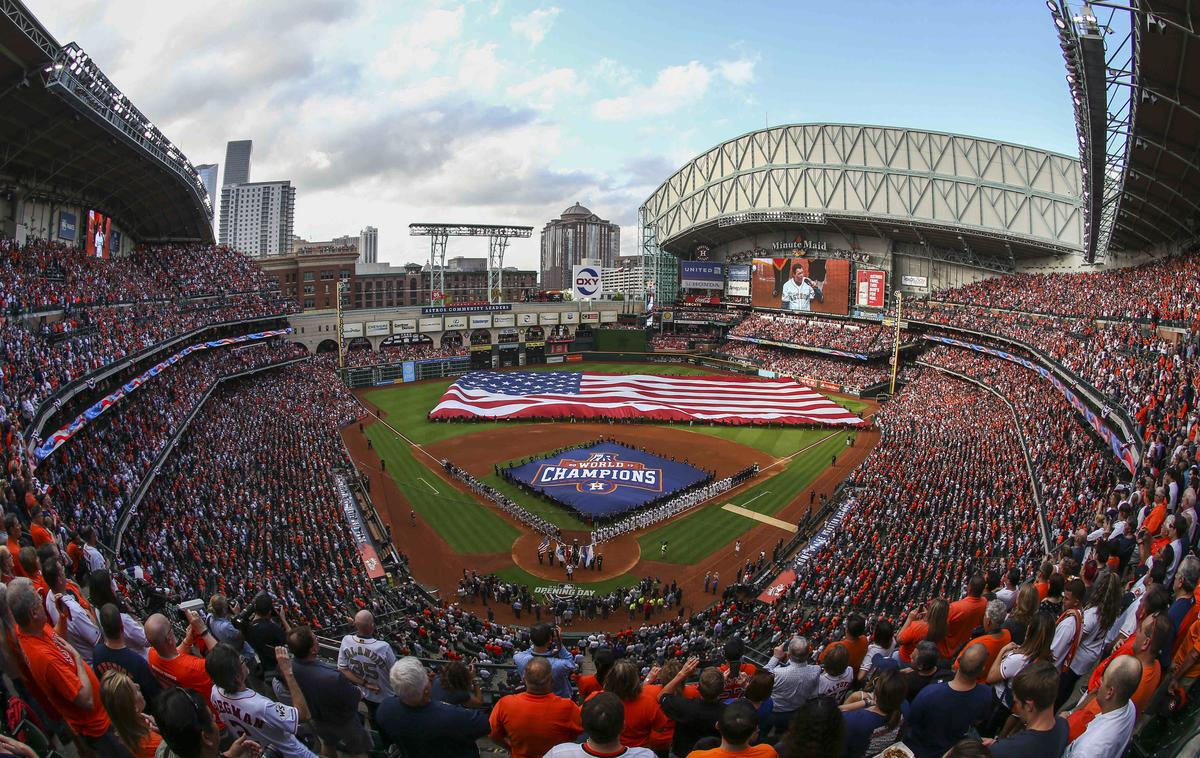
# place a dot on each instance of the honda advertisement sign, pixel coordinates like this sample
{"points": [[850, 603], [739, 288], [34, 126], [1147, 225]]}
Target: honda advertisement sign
{"points": [[585, 282]]}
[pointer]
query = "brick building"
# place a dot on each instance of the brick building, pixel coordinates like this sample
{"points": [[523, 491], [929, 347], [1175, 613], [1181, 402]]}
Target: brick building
{"points": [[311, 277]]}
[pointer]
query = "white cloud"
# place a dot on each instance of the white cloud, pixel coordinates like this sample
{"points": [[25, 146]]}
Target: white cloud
{"points": [[739, 72], [417, 45], [478, 67], [673, 88], [544, 90], [536, 25]]}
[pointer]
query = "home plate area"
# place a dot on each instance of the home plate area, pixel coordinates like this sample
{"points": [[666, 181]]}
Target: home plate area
{"points": [[603, 480]]}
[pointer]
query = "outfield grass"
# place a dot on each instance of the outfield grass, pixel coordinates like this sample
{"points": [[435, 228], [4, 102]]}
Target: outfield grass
{"points": [[468, 526], [702, 532]]}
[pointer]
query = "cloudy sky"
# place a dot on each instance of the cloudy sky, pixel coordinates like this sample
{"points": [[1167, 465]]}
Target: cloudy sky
{"points": [[497, 111]]}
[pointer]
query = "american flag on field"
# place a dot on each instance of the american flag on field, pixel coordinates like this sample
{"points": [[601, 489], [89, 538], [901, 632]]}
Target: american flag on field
{"points": [[544, 547], [561, 394]]}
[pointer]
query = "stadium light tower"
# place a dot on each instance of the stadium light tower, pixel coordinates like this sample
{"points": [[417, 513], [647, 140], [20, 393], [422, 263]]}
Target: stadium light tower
{"points": [[438, 234]]}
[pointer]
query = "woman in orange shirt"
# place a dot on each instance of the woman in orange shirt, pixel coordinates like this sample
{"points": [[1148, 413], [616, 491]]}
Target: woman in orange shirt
{"points": [[588, 684], [921, 625], [645, 723], [123, 700]]}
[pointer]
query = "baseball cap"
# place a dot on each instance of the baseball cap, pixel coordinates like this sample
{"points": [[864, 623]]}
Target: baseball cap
{"points": [[881, 663]]}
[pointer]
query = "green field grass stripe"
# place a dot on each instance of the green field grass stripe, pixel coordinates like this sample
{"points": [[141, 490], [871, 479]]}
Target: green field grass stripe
{"points": [[555, 514], [704, 531], [468, 526]]}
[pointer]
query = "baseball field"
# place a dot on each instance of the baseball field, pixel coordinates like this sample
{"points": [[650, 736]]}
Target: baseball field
{"points": [[455, 530]]}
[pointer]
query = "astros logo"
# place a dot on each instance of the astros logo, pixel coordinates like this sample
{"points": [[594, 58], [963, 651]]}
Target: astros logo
{"points": [[599, 474]]}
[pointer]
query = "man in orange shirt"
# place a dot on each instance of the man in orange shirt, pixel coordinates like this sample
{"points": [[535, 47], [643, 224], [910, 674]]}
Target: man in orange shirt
{"points": [[993, 638], [965, 614], [738, 726], [855, 642], [171, 662], [529, 723], [12, 527], [66, 681], [1145, 645], [1186, 664]]}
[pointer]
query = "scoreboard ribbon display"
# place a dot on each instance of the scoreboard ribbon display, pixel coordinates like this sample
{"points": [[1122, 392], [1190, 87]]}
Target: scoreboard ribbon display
{"points": [[605, 479]]}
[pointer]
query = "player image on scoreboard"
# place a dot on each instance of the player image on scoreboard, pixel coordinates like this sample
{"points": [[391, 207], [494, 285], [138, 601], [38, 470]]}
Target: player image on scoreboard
{"points": [[802, 285]]}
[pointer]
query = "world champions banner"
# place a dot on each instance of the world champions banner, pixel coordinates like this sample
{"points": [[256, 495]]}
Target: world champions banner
{"points": [[606, 478]]}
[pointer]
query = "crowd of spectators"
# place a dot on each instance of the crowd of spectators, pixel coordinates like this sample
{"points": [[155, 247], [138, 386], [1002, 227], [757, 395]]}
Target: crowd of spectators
{"points": [[676, 503], [390, 354], [39, 275], [668, 342], [853, 375], [94, 474], [849, 336]]}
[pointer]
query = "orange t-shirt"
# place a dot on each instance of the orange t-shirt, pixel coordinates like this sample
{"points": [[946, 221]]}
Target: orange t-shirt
{"points": [[645, 723], [856, 648], [532, 724], [1191, 642], [754, 751], [909, 637], [184, 670], [1154, 522], [148, 747], [53, 667], [1043, 589], [14, 549], [40, 535], [965, 615], [586, 685], [993, 645], [75, 553]]}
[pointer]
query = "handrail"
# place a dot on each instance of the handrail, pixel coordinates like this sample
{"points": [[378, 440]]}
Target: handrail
{"points": [[1034, 485], [126, 514]]}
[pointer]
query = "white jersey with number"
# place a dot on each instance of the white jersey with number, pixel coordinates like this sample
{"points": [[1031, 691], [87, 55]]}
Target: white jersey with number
{"points": [[370, 660], [262, 719]]}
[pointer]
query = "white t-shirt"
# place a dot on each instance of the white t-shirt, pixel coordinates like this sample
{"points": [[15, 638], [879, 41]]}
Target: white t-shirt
{"points": [[1011, 665], [868, 660], [370, 660], [82, 631], [1006, 596], [572, 750], [265, 721], [835, 686]]}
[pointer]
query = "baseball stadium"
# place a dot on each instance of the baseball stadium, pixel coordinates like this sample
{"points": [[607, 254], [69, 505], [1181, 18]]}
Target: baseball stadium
{"points": [[883, 442]]}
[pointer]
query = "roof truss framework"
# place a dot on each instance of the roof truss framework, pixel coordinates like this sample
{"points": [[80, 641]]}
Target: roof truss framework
{"points": [[1027, 196]]}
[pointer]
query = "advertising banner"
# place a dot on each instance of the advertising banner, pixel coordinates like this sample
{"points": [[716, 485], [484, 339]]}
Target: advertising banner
{"points": [[570, 317], [870, 288], [379, 328], [527, 319], [67, 226], [585, 282], [358, 529], [739, 280], [456, 322], [504, 320], [114, 241], [440, 310], [409, 370], [800, 284], [919, 282], [352, 330], [589, 317], [548, 318], [404, 326], [432, 324], [481, 322], [701, 275], [608, 317]]}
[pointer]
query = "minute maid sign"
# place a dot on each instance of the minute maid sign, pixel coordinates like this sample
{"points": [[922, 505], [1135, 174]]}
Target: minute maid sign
{"points": [[599, 474], [585, 282]]}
